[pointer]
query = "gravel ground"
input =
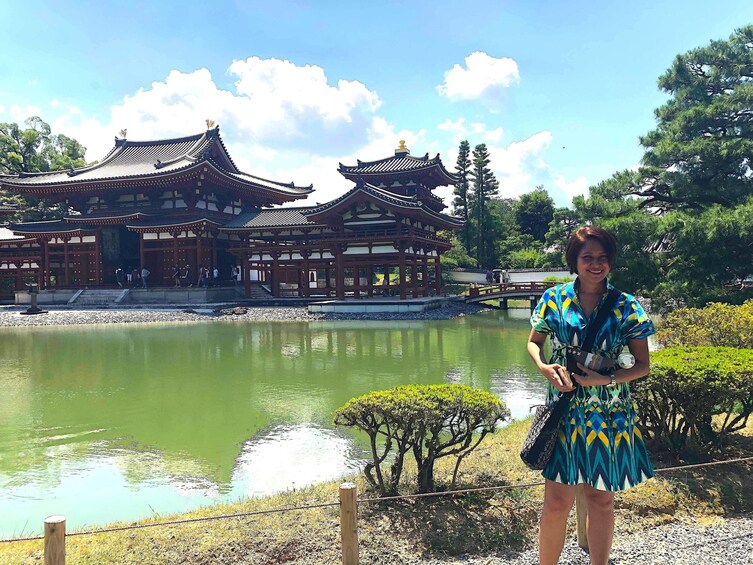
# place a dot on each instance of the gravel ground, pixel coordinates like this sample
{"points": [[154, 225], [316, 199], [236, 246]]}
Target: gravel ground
{"points": [[12, 317], [729, 543]]}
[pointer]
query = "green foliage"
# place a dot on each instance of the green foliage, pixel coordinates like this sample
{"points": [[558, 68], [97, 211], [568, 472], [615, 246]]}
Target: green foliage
{"points": [[711, 253], [534, 212], [524, 252], [31, 150], [462, 200], [457, 257], [719, 325], [687, 387], [485, 187], [430, 421], [699, 153], [558, 279], [564, 222]]}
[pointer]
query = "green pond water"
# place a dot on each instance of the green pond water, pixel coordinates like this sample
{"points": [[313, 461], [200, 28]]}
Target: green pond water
{"points": [[120, 422]]}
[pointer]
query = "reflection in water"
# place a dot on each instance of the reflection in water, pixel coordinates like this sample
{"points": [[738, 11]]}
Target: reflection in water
{"points": [[289, 457], [130, 420]]}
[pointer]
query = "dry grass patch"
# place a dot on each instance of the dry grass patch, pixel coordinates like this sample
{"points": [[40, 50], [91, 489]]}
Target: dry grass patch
{"points": [[406, 531]]}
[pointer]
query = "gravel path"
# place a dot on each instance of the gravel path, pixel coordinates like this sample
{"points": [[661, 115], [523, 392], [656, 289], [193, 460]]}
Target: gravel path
{"points": [[729, 543], [12, 317]]}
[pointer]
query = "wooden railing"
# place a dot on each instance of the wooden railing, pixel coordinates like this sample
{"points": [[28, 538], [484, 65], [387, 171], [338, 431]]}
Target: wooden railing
{"points": [[503, 289]]}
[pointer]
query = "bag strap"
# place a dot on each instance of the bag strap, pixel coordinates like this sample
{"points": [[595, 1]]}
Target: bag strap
{"points": [[592, 330], [601, 317]]}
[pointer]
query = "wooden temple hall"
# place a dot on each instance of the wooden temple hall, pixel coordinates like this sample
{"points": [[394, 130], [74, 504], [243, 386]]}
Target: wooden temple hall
{"points": [[183, 203]]}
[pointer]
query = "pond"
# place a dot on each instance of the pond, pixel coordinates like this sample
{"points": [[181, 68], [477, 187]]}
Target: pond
{"points": [[120, 422]]}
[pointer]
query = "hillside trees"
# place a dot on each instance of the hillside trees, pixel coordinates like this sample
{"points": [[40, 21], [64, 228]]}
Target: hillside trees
{"points": [[34, 149]]}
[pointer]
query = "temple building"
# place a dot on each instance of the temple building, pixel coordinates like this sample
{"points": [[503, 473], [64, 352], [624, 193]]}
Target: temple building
{"points": [[183, 204]]}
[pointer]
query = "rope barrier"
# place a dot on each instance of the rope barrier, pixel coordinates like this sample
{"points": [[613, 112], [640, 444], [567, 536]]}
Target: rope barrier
{"points": [[364, 500]]}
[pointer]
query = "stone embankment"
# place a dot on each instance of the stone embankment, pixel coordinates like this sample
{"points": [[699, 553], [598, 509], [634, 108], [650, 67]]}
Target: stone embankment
{"points": [[12, 317]]}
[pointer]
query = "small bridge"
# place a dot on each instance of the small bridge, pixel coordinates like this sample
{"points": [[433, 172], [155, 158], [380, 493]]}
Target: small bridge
{"points": [[531, 291]]}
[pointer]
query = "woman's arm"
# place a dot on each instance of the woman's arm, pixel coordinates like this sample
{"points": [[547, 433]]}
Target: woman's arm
{"points": [[639, 349], [554, 373]]}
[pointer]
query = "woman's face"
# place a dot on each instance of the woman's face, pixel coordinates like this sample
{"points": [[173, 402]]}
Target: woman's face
{"points": [[593, 262]]}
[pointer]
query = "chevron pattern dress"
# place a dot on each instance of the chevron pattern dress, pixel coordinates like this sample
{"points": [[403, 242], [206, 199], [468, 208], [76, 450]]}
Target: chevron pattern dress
{"points": [[599, 440]]}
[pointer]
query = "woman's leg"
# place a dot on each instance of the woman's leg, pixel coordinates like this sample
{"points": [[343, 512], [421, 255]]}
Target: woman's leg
{"points": [[558, 500], [600, 525]]}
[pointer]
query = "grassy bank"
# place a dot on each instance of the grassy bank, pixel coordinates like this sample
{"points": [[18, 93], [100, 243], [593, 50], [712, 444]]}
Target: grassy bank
{"points": [[406, 530]]}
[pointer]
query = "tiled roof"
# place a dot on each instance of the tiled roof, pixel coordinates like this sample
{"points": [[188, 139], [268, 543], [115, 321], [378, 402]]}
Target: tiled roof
{"points": [[106, 214], [387, 197], [8, 235], [271, 218], [145, 159], [402, 163], [173, 221], [8, 208], [51, 226]]}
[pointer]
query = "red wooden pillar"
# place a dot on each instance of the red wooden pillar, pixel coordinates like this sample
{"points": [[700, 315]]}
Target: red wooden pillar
{"points": [[306, 290], [438, 275], [401, 268], [65, 259], [246, 275], [425, 276], [339, 273], [199, 259], [416, 283], [46, 244], [370, 279], [98, 262], [275, 275]]}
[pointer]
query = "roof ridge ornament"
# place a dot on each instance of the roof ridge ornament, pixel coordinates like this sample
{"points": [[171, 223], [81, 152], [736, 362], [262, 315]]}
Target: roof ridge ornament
{"points": [[402, 150], [211, 124]]}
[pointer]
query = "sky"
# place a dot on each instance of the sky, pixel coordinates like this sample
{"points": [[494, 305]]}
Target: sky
{"points": [[558, 91]]}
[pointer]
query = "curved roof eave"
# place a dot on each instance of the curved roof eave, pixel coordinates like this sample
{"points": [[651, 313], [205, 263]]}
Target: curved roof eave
{"points": [[388, 200]]}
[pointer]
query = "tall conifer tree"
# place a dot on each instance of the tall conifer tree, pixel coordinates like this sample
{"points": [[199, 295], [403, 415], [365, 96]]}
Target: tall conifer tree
{"points": [[485, 186], [461, 202]]}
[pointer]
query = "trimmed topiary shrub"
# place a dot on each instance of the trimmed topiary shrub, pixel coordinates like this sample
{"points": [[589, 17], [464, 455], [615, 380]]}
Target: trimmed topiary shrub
{"points": [[429, 421], [686, 388], [721, 325]]}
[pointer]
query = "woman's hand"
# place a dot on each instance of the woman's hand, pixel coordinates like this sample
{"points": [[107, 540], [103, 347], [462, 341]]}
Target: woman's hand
{"points": [[590, 377], [558, 376]]}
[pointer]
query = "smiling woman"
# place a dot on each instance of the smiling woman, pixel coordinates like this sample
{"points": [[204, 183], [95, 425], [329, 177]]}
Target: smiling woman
{"points": [[599, 445]]}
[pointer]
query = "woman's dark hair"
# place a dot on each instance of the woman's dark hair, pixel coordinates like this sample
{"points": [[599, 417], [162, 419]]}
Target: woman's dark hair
{"points": [[579, 239]]}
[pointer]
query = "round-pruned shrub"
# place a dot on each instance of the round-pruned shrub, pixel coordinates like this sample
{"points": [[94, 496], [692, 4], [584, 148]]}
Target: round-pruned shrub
{"points": [[429, 421], [721, 325], [686, 388]]}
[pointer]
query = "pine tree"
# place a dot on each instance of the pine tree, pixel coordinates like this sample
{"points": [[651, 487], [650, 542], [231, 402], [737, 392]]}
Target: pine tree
{"points": [[461, 202], [485, 186]]}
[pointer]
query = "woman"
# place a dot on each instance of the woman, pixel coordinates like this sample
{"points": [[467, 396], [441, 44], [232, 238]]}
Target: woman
{"points": [[599, 445]]}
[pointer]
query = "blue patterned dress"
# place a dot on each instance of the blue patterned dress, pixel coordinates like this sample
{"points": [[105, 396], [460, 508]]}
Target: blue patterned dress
{"points": [[599, 441]]}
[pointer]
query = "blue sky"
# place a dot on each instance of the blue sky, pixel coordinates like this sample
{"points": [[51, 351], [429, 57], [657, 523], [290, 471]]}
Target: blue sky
{"points": [[559, 91]]}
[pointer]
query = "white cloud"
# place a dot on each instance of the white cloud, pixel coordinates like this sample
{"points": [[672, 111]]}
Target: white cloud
{"points": [[483, 77], [476, 130], [573, 188], [277, 120], [492, 136], [20, 114], [290, 123], [519, 166]]}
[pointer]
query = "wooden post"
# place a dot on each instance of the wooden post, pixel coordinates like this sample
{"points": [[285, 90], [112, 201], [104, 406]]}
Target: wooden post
{"points": [[581, 517], [54, 540], [349, 523]]}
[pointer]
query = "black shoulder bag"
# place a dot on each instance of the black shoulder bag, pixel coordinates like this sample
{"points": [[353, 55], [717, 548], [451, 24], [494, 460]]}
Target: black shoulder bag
{"points": [[539, 444]]}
